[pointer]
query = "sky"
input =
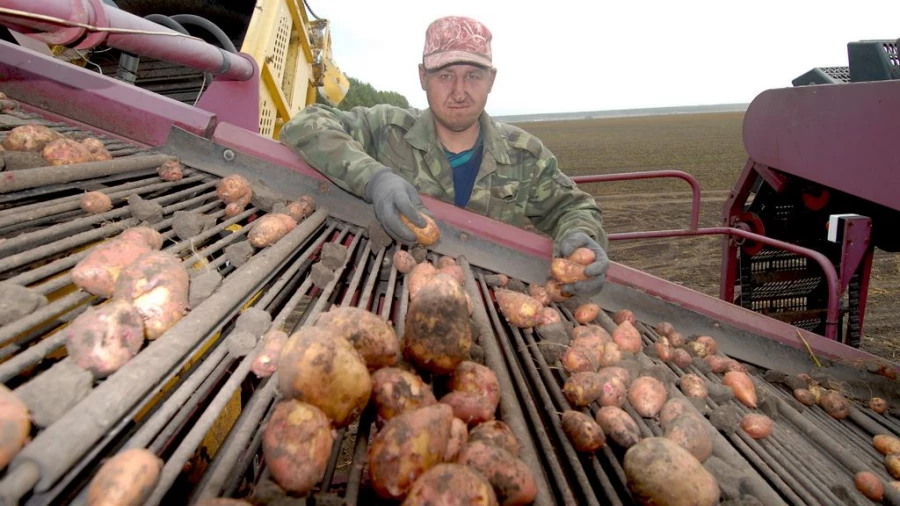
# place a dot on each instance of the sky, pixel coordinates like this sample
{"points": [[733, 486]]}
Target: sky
{"points": [[592, 55]]}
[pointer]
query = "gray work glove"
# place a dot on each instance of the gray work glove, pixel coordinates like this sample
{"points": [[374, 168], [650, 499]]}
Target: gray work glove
{"points": [[391, 195], [596, 272]]}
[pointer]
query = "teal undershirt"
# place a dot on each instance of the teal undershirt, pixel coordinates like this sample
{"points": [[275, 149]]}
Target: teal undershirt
{"points": [[465, 168]]}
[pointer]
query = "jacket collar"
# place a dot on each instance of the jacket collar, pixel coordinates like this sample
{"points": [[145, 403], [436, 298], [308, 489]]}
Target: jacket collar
{"points": [[423, 137]]}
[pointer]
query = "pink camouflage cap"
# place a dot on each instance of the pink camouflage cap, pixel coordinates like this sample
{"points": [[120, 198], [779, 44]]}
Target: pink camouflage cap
{"points": [[456, 39]]}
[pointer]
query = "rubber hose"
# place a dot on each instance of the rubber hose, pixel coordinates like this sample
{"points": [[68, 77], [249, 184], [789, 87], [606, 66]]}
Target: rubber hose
{"points": [[209, 26], [167, 21]]}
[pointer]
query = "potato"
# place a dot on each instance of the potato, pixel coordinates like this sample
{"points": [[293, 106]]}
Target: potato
{"points": [[689, 432], [647, 396], [717, 363], [590, 335], [297, 442], [427, 235], [733, 365], [540, 294], [325, 370], [805, 397], [878, 405], [150, 236], [497, 433], [470, 407], [455, 272], [583, 256], [104, 338], [658, 471], [550, 315], [15, 425], [664, 329], [583, 431], [743, 387], [554, 290], [624, 315], [473, 377], [419, 276], [710, 344], [65, 151], [627, 337], [756, 425], [266, 363], [618, 425], [128, 478], [583, 388], [95, 202], [886, 444], [437, 335], [233, 209], [157, 286], [406, 447], [698, 348], [97, 149], [892, 464], [869, 484], [694, 386], [580, 359], [234, 189], [681, 358], [170, 170], [520, 310], [510, 477], [664, 350], [29, 138], [459, 436], [566, 271], [451, 484], [676, 339], [611, 355], [396, 391], [97, 272], [403, 261], [675, 408], [586, 313], [619, 372], [372, 336], [835, 404], [270, 229]]}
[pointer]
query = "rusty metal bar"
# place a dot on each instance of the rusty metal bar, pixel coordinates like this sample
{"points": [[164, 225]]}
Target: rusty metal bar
{"points": [[24, 179], [58, 306]]}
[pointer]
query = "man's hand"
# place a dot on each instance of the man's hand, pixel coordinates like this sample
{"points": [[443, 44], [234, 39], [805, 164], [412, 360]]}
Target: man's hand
{"points": [[596, 272], [391, 195]]}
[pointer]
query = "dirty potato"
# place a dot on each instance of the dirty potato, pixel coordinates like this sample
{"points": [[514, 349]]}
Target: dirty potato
{"points": [[150, 236], [476, 378], [97, 148], [266, 363], [555, 291], [694, 386], [126, 479], [586, 313], [658, 471], [519, 309], [95, 202], [65, 151], [437, 335], [15, 425], [234, 189], [627, 337], [618, 425], [451, 484], [886, 444], [647, 396], [419, 276], [539, 293], [104, 338], [510, 477], [583, 388], [297, 442], [396, 391], [156, 284], [29, 138], [459, 436], [743, 387], [407, 446], [689, 432], [835, 404], [566, 271], [582, 256], [870, 485], [270, 229], [471, 407], [590, 336], [372, 336], [427, 235], [170, 170], [97, 272], [757, 425], [403, 261], [326, 371], [497, 433], [582, 431]]}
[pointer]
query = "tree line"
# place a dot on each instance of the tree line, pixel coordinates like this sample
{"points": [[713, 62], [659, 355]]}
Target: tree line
{"points": [[364, 94]]}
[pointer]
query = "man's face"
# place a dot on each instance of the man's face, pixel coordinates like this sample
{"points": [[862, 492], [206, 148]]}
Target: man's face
{"points": [[457, 94]]}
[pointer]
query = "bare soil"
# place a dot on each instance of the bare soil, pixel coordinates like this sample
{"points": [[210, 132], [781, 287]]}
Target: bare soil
{"points": [[709, 147]]}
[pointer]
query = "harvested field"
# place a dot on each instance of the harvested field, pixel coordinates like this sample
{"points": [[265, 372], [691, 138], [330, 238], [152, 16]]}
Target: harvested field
{"points": [[709, 147]]}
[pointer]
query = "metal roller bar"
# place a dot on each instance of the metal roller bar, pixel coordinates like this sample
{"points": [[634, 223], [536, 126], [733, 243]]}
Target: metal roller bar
{"points": [[30, 178]]}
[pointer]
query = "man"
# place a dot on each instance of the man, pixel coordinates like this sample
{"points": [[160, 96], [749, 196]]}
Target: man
{"points": [[452, 151]]}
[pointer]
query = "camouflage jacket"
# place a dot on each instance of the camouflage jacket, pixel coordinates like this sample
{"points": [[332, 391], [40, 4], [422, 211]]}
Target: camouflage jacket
{"points": [[518, 181]]}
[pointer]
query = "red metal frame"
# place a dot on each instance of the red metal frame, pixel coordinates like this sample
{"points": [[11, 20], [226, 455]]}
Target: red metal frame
{"points": [[653, 174]]}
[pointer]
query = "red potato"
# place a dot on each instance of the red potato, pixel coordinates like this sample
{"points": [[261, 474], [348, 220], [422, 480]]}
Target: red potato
{"points": [[451, 484], [870, 485], [297, 442], [878, 405], [689, 432], [582, 431], [15, 425], [97, 272], [550, 315], [519, 309], [743, 387], [497, 433], [126, 479], [664, 350], [270, 229], [586, 313], [886, 444], [419, 276], [624, 315], [233, 209], [578, 359], [627, 337], [408, 446], [805, 397], [647, 396], [459, 436], [566, 271], [675, 408], [97, 149], [895, 485], [29, 138], [664, 329], [583, 388], [835, 404], [540, 294], [403, 261], [372, 336], [698, 348], [733, 365], [65, 151], [396, 391], [817, 392], [583, 256], [156, 284], [710, 344], [234, 189], [676, 339], [445, 261], [618, 426], [510, 477], [554, 289], [611, 355], [757, 426], [659, 471], [170, 170], [325, 370], [892, 464], [437, 334], [104, 338], [590, 335], [681, 358], [427, 235], [476, 378], [618, 372], [694, 386], [150, 236], [95, 202], [470, 407], [455, 272], [266, 363], [717, 363]]}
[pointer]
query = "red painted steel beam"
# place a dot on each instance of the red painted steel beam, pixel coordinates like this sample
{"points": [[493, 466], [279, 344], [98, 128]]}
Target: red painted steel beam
{"points": [[653, 174], [91, 23]]}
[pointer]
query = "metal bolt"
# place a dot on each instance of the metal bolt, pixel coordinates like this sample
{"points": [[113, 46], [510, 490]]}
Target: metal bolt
{"points": [[463, 236], [323, 187], [228, 155]]}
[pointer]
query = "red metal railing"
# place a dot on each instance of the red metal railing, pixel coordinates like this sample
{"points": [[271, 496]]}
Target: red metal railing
{"points": [[653, 174]]}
